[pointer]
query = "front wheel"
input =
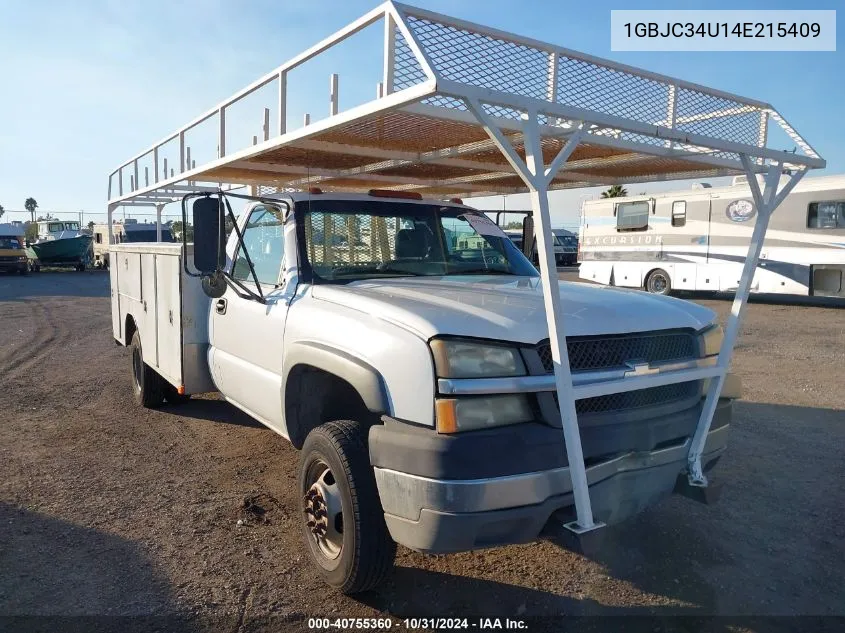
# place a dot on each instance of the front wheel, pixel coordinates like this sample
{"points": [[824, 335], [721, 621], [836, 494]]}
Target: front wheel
{"points": [[342, 521], [658, 282]]}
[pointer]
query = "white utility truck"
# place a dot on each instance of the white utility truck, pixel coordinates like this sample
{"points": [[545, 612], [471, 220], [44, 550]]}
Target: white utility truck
{"points": [[401, 343], [446, 394]]}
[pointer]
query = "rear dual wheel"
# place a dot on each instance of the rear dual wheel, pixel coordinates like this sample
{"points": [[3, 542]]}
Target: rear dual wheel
{"points": [[149, 388]]}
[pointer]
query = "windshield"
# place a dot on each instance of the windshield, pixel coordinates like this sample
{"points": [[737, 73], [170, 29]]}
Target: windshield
{"points": [[10, 242], [362, 239]]}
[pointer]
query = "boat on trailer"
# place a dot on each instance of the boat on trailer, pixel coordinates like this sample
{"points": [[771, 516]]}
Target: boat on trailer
{"points": [[61, 243]]}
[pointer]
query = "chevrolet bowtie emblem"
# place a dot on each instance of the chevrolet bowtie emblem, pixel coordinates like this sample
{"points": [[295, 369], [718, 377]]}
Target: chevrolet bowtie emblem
{"points": [[640, 369]]}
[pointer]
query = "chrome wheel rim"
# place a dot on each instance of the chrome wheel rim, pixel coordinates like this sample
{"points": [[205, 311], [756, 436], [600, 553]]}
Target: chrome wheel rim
{"points": [[323, 510], [658, 283]]}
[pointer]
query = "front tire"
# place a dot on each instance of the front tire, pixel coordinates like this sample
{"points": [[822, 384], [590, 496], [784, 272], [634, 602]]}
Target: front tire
{"points": [[147, 384], [658, 282], [343, 521]]}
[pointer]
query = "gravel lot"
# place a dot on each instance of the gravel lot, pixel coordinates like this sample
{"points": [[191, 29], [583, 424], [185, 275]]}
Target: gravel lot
{"points": [[108, 509]]}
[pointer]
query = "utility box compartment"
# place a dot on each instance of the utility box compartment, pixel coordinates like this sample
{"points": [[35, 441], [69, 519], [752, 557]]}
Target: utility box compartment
{"points": [[167, 306]]}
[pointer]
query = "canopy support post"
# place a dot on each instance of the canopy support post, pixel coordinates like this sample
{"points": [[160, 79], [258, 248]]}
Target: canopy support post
{"points": [[109, 215], [765, 202], [537, 177], [159, 207]]}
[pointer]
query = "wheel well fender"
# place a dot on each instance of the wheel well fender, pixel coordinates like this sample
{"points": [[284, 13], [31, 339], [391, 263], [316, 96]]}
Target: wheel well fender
{"points": [[129, 329], [355, 386]]}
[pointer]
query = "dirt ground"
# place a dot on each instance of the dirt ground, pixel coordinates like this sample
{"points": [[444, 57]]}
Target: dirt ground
{"points": [[107, 509]]}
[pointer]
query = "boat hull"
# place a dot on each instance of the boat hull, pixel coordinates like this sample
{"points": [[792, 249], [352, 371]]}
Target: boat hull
{"points": [[70, 250]]}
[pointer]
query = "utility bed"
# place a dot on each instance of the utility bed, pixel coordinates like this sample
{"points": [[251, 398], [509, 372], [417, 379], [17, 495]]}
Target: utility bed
{"points": [[149, 282]]}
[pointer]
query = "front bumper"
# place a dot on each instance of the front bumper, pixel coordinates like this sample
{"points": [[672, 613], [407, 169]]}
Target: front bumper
{"points": [[437, 515], [13, 266]]}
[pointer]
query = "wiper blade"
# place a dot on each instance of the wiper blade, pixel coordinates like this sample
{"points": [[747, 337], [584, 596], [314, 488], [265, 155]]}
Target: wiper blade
{"points": [[374, 271], [481, 271]]}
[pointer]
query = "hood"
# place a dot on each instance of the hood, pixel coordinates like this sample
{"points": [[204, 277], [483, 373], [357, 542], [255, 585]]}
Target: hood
{"points": [[510, 308]]}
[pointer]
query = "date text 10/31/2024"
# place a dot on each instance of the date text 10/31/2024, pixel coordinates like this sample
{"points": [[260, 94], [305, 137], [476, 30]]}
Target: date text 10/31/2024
{"points": [[480, 624]]}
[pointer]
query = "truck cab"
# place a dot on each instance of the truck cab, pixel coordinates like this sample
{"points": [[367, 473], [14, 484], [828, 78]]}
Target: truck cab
{"points": [[401, 344]]}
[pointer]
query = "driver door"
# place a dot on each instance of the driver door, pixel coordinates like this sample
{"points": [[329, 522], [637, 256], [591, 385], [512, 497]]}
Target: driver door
{"points": [[245, 355]]}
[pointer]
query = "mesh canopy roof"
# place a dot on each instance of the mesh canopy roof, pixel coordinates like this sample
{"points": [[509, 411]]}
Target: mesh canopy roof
{"points": [[424, 132]]}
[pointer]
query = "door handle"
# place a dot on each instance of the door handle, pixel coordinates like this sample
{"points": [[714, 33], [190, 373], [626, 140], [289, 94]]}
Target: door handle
{"points": [[220, 306]]}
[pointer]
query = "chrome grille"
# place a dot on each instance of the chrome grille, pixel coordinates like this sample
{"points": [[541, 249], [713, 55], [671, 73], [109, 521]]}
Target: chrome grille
{"points": [[630, 400], [609, 352]]}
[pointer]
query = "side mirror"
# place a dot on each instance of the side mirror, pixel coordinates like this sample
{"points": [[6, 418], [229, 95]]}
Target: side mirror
{"points": [[528, 236], [208, 235]]}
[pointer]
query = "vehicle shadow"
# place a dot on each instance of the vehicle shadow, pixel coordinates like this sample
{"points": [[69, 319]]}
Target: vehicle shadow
{"points": [[63, 283], [418, 593], [742, 560], [767, 299], [212, 409], [746, 554], [61, 576]]}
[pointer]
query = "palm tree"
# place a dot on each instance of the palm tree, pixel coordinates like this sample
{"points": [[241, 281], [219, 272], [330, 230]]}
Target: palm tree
{"points": [[2, 210], [616, 191], [31, 205]]}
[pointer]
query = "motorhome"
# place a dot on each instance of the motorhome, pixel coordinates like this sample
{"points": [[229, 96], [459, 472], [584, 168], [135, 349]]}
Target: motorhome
{"points": [[696, 239]]}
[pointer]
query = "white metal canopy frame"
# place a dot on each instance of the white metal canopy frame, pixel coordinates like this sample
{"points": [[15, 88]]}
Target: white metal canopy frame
{"points": [[466, 110]]}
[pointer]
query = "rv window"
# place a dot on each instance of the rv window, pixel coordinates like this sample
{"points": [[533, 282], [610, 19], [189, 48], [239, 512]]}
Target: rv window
{"points": [[679, 213], [826, 215], [98, 237], [632, 216]]}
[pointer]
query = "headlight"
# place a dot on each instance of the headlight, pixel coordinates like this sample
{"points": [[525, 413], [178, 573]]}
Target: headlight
{"points": [[465, 359], [481, 412], [711, 339], [21, 259]]}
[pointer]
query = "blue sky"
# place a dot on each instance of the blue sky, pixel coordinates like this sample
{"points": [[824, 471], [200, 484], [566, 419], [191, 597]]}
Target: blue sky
{"points": [[87, 85]]}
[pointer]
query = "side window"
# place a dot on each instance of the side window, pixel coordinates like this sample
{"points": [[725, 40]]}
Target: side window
{"points": [[264, 240], [826, 215], [632, 216], [679, 213], [98, 237]]}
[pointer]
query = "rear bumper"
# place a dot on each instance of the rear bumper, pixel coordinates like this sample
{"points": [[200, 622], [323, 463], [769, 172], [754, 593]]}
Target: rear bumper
{"points": [[437, 515]]}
